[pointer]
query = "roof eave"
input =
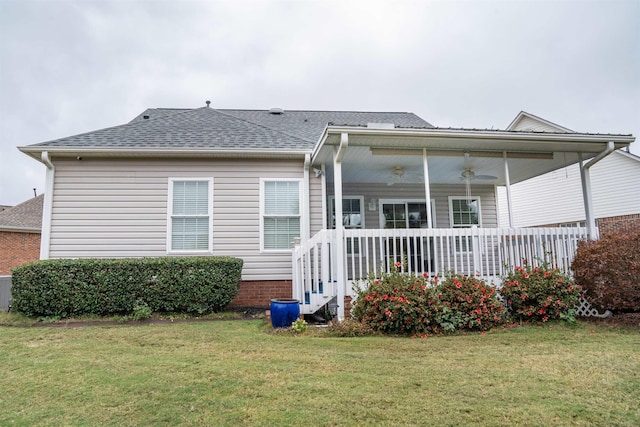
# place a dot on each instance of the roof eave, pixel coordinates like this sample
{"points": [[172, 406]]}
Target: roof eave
{"points": [[11, 229], [98, 152], [424, 135]]}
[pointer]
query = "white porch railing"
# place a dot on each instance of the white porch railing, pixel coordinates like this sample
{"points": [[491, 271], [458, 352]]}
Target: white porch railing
{"points": [[487, 252]]}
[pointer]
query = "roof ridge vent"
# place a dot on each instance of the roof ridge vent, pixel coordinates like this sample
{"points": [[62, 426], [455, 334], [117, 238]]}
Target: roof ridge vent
{"points": [[276, 111]]}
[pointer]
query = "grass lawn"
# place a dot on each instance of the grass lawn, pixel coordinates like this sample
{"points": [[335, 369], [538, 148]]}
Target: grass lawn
{"points": [[235, 373]]}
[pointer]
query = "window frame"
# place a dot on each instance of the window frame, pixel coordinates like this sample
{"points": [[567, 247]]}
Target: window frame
{"points": [[351, 248], [332, 211], [263, 182], [451, 217], [406, 202], [170, 215], [464, 244]]}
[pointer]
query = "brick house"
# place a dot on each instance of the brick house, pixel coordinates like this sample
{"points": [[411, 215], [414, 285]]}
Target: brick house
{"points": [[20, 228]]}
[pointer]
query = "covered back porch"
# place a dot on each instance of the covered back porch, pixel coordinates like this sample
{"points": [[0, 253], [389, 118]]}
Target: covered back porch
{"points": [[376, 182]]}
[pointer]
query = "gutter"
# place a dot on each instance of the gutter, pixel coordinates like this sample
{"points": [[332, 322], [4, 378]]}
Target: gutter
{"points": [[610, 148], [115, 152], [44, 157]]}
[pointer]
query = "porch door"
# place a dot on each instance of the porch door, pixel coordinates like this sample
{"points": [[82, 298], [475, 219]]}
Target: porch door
{"points": [[413, 251]]}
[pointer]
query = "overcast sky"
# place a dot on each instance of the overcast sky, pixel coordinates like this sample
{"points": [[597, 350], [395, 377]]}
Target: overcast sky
{"points": [[68, 67]]}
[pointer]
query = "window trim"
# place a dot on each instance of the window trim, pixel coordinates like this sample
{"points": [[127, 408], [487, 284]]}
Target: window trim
{"points": [[478, 198], [263, 181], [458, 242], [406, 202], [171, 182], [332, 209]]}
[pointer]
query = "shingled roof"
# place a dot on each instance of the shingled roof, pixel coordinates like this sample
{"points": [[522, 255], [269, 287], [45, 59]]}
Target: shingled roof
{"points": [[27, 216], [209, 128]]}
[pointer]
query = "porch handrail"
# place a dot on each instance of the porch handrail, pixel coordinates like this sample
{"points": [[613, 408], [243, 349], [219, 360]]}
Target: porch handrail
{"points": [[486, 252], [314, 270], [481, 251]]}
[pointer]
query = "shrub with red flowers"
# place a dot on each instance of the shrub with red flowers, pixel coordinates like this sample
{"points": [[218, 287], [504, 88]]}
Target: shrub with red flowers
{"points": [[400, 303], [540, 294], [467, 303], [397, 303]]}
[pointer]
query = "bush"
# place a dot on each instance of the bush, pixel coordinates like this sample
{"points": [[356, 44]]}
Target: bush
{"points": [[66, 287], [540, 294], [398, 303], [141, 310], [299, 326], [467, 303], [609, 271]]}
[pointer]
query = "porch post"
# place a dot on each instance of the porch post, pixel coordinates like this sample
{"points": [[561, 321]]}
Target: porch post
{"points": [[338, 155], [427, 189], [507, 183]]}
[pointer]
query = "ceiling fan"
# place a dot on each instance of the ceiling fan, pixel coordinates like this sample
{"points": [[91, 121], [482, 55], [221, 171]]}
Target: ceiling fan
{"points": [[398, 174], [469, 175]]}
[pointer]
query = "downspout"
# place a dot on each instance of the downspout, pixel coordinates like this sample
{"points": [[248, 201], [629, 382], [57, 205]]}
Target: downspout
{"points": [[47, 209], [306, 222], [507, 183], [586, 188]]}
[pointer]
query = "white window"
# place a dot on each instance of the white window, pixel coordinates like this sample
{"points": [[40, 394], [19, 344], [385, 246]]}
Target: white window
{"points": [[464, 213], [280, 213], [352, 212], [406, 214], [190, 213], [352, 218]]}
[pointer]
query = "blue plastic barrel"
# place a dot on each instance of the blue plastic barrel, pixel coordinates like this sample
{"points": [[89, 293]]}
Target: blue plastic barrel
{"points": [[284, 311]]}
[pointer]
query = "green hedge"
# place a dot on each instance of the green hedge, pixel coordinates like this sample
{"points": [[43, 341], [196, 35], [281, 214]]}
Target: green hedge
{"points": [[75, 287]]}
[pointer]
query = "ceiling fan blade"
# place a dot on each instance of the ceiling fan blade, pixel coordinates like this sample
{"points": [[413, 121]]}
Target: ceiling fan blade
{"points": [[485, 177]]}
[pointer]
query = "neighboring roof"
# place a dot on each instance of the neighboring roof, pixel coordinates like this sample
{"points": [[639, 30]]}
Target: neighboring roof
{"points": [[27, 216], [209, 128], [628, 154], [528, 122]]}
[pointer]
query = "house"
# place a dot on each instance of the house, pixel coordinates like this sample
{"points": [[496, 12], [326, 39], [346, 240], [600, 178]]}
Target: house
{"points": [[310, 200], [20, 234], [558, 195]]}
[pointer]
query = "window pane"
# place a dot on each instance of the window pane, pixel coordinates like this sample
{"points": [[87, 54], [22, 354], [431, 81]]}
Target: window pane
{"points": [[464, 213], [281, 198], [280, 232], [190, 233], [190, 197]]}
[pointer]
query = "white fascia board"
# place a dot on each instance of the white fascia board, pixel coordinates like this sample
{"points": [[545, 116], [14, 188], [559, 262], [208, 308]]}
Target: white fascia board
{"points": [[480, 135], [319, 144]]}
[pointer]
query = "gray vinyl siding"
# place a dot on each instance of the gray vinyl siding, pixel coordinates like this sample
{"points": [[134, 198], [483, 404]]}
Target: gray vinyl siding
{"points": [[315, 203], [439, 193], [105, 208]]}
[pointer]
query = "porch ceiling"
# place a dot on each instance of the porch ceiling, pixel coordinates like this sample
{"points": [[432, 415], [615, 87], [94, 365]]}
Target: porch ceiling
{"points": [[372, 155]]}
